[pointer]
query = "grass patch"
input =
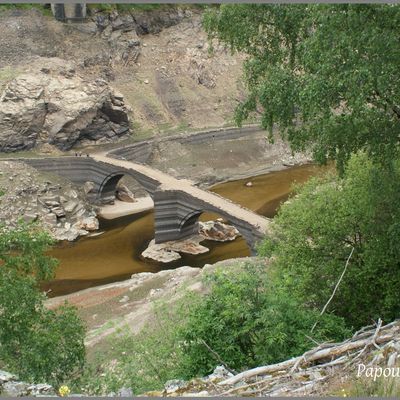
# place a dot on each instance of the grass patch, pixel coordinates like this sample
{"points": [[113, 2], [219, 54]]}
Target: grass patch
{"points": [[45, 10], [7, 74]]}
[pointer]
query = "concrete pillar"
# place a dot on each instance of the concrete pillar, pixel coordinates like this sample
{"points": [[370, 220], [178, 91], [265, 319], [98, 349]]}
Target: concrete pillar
{"points": [[69, 11], [58, 11]]}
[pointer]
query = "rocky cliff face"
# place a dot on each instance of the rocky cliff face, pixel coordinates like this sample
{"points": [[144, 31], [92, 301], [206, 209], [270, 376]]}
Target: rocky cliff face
{"points": [[53, 104]]}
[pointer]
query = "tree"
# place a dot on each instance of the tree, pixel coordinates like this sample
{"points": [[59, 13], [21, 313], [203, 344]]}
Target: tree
{"points": [[326, 75], [314, 235], [37, 343]]}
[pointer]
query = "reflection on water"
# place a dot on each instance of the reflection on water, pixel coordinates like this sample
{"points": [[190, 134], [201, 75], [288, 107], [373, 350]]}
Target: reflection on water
{"points": [[115, 254]]}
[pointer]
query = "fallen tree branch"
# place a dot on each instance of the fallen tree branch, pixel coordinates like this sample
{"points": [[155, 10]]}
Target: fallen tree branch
{"points": [[330, 352], [371, 342]]}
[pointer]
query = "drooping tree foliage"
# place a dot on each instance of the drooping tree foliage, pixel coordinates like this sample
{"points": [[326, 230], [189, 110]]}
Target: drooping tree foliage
{"points": [[38, 344], [326, 75]]}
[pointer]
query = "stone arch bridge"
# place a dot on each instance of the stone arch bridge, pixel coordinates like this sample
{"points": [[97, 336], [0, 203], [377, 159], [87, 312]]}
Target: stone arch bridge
{"points": [[177, 202]]}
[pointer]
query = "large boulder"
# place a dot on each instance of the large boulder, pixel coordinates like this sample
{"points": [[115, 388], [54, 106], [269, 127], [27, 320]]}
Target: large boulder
{"points": [[52, 104]]}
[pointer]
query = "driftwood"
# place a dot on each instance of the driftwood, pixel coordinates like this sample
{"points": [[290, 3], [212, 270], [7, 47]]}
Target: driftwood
{"points": [[327, 354], [313, 373]]}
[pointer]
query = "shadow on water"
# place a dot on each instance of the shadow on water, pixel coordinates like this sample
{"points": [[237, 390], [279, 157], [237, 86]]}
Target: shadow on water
{"points": [[116, 254]]}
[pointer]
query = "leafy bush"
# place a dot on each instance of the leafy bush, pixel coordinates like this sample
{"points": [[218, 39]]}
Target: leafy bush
{"points": [[248, 321], [315, 233], [242, 322], [318, 73], [36, 343]]}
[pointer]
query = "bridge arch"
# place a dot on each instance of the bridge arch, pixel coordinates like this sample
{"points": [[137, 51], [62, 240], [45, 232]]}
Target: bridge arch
{"points": [[189, 224], [108, 186], [176, 215], [107, 190]]}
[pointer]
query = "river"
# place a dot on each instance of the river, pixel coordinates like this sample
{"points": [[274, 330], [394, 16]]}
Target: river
{"points": [[115, 255]]}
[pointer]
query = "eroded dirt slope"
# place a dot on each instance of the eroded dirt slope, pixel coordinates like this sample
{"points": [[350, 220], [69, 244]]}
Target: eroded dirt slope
{"points": [[160, 61]]}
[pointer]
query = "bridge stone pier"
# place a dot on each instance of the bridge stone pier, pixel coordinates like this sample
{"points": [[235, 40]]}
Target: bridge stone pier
{"points": [[177, 202], [176, 217]]}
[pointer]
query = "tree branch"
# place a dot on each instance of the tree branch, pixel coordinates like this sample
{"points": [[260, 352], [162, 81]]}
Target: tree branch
{"points": [[335, 289], [217, 357]]}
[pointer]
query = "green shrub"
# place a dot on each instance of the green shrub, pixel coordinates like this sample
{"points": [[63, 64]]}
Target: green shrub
{"points": [[38, 344], [248, 322], [315, 233], [242, 322]]}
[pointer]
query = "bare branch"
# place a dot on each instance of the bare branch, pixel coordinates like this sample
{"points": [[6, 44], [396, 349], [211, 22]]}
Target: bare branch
{"points": [[335, 289], [217, 357]]}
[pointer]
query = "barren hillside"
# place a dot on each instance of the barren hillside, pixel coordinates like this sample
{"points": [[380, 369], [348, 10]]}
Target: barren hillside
{"points": [[159, 60]]}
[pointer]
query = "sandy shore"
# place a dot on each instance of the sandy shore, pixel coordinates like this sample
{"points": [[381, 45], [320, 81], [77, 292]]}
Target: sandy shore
{"points": [[121, 208]]}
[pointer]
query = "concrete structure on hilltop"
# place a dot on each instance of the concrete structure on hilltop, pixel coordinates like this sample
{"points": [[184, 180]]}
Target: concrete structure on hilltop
{"points": [[69, 11], [177, 202]]}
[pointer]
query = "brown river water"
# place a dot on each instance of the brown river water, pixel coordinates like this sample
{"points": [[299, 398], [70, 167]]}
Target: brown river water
{"points": [[115, 255]]}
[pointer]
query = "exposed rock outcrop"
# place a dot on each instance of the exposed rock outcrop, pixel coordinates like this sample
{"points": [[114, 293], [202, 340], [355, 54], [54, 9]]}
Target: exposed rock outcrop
{"points": [[170, 251], [56, 204], [53, 104], [141, 22], [11, 386]]}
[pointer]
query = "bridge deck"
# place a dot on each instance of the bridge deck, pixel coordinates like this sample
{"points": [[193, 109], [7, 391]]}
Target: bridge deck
{"points": [[168, 182]]}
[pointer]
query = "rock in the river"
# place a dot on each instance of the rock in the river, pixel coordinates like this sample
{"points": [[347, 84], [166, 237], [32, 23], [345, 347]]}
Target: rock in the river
{"points": [[169, 251], [124, 194], [211, 230], [158, 252], [218, 231], [249, 184], [54, 105]]}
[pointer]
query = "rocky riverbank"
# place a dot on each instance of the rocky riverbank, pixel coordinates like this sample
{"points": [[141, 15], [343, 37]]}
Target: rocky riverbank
{"points": [[130, 303], [55, 203]]}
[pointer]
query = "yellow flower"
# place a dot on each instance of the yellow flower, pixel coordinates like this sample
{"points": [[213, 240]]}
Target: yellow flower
{"points": [[64, 391]]}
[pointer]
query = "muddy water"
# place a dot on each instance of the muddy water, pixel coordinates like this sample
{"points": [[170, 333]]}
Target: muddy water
{"points": [[115, 254]]}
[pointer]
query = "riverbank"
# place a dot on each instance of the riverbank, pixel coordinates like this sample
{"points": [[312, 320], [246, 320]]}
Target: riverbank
{"points": [[128, 304]]}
